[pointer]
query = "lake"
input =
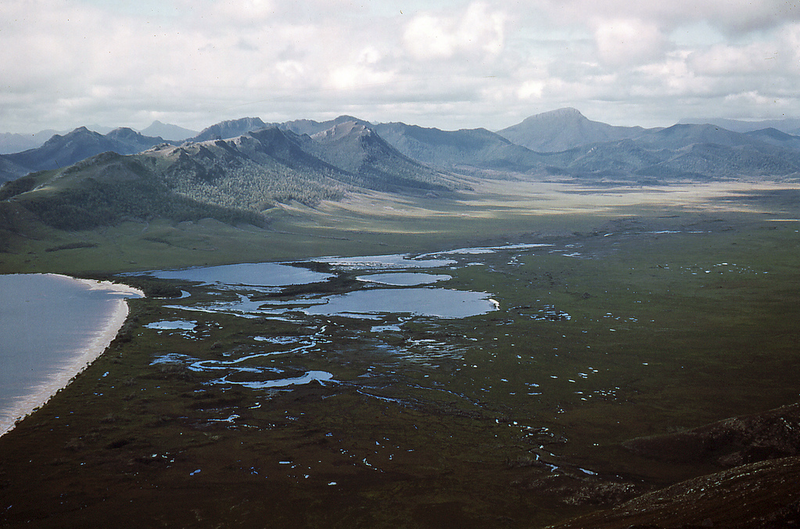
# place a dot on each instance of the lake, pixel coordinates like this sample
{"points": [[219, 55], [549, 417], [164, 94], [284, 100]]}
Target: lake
{"points": [[51, 327]]}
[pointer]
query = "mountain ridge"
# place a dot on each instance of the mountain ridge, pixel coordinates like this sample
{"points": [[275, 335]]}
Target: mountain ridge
{"points": [[249, 166], [786, 125], [238, 178], [78, 144], [228, 129], [168, 131]]}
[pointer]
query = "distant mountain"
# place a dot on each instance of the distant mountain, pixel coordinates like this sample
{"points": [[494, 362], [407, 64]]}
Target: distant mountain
{"points": [[168, 132], [787, 125], [229, 129], [241, 176], [776, 137], [652, 155], [563, 129], [11, 143], [683, 135], [232, 180], [100, 129], [461, 149], [355, 147], [62, 151], [130, 142], [697, 152]]}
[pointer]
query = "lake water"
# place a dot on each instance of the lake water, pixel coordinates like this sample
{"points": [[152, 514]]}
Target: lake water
{"points": [[51, 326], [390, 289], [246, 274], [431, 302], [404, 279]]}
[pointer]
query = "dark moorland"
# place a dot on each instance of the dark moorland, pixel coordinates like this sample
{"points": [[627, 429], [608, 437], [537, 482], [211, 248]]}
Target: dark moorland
{"points": [[631, 363]]}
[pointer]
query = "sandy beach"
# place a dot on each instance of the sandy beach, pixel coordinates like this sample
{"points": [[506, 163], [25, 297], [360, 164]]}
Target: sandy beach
{"points": [[96, 344]]}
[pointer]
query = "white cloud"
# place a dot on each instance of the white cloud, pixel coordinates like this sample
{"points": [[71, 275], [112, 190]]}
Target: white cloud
{"points": [[531, 90], [364, 72], [726, 60], [446, 63], [437, 36], [628, 41]]}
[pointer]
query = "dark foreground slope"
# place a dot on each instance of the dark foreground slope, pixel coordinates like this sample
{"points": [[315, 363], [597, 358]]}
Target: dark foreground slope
{"points": [[763, 495], [758, 488]]}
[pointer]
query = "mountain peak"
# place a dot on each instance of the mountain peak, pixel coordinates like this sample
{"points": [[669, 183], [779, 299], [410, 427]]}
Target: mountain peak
{"points": [[311, 127], [167, 131], [561, 112], [229, 129], [343, 129], [563, 129], [79, 132]]}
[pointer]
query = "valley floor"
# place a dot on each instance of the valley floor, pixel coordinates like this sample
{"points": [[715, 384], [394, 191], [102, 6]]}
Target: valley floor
{"points": [[623, 314]]}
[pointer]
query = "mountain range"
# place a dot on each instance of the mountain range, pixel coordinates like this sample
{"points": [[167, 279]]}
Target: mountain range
{"points": [[15, 142], [238, 169], [62, 151], [786, 125], [233, 179]]}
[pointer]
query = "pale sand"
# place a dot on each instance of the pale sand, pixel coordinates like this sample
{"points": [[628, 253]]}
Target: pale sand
{"points": [[98, 343]]}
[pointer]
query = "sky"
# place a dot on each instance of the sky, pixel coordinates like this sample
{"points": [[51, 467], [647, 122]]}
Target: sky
{"points": [[436, 63]]}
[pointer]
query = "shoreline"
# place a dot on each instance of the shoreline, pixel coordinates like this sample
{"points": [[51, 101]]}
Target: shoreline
{"points": [[90, 351]]}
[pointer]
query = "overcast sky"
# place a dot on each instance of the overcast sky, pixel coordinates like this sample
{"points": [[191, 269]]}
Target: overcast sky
{"points": [[448, 64]]}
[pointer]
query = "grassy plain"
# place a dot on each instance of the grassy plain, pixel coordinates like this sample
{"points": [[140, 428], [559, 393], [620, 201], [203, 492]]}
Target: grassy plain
{"points": [[682, 309], [366, 224]]}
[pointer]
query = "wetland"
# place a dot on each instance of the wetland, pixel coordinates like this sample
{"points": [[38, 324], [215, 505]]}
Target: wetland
{"points": [[490, 382]]}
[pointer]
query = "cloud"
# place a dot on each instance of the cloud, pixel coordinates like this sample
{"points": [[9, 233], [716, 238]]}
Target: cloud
{"points": [[450, 63], [732, 16], [726, 60], [364, 72], [476, 30], [627, 41]]}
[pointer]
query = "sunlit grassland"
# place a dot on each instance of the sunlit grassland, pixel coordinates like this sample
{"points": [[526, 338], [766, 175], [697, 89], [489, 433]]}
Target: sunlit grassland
{"points": [[362, 224]]}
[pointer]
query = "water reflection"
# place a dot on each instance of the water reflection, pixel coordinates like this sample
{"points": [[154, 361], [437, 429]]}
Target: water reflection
{"points": [[307, 378], [381, 262], [404, 279], [249, 274], [389, 290], [431, 302], [174, 325]]}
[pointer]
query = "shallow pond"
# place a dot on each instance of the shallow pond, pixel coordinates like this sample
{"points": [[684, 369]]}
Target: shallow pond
{"points": [[430, 302], [375, 297], [247, 274], [383, 262], [404, 279]]}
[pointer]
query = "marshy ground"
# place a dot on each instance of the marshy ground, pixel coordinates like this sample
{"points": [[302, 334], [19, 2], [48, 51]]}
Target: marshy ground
{"points": [[652, 322]]}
